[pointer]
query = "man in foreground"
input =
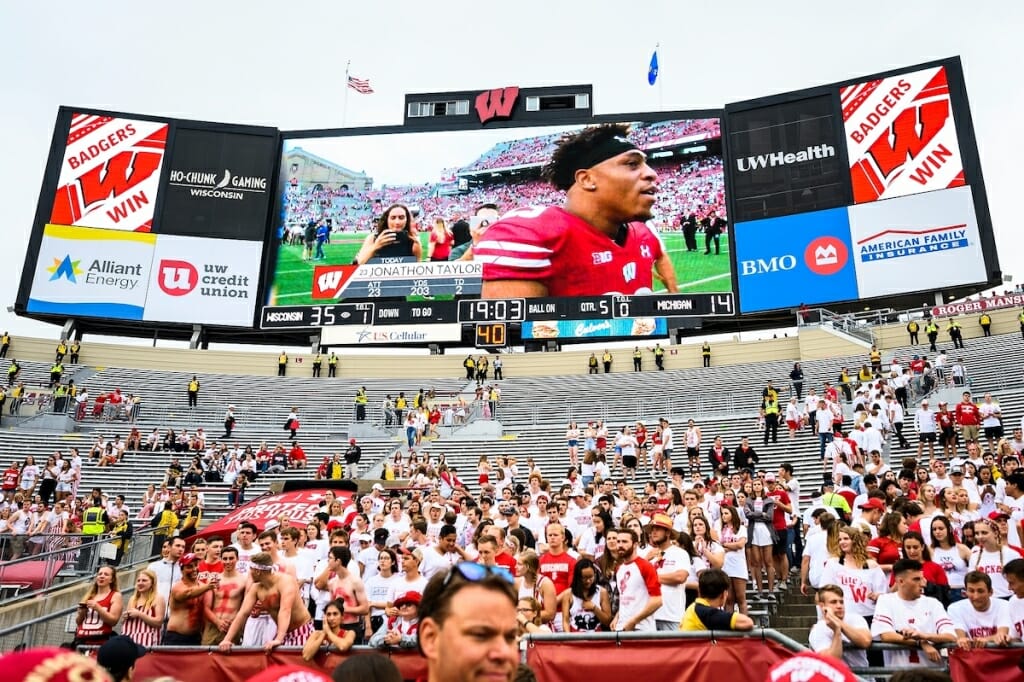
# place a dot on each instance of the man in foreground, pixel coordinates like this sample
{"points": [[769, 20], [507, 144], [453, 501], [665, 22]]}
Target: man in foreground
{"points": [[468, 628]]}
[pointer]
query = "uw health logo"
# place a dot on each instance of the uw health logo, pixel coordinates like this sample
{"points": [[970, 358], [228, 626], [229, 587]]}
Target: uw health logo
{"points": [[65, 268], [826, 255], [177, 277]]}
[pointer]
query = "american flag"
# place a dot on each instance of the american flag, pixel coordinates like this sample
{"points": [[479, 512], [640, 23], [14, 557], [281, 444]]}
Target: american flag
{"points": [[361, 85]]}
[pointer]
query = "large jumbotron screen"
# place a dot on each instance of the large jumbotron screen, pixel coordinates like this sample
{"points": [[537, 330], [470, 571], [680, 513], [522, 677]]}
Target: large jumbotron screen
{"points": [[334, 191]]}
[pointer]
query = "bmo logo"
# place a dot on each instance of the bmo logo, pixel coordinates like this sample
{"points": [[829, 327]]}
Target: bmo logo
{"points": [[826, 255], [177, 277], [761, 266]]}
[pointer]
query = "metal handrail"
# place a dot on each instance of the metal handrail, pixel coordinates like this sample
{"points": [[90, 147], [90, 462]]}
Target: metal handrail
{"points": [[137, 553]]}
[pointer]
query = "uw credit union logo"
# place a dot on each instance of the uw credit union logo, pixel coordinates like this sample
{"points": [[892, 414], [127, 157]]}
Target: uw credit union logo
{"points": [[177, 277], [826, 255]]}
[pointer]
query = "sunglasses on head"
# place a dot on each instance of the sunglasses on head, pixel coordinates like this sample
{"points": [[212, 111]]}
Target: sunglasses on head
{"points": [[474, 573]]}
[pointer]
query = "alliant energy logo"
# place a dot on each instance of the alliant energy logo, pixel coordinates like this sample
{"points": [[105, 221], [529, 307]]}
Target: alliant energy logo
{"points": [[891, 244], [107, 273], [218, 184], [179, 277], [774, 159], [901, 136]]}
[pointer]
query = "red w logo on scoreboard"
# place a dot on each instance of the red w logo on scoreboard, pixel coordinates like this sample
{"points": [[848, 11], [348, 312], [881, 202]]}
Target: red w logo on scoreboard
{"points": [[498, 103], [329, 280]]}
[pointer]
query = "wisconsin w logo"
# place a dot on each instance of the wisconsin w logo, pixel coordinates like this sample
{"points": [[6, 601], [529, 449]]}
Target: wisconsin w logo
{"points": [[497, 103]]}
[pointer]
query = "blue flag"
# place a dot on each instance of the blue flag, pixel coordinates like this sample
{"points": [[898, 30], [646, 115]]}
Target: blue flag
{"points": [[652, 72]]}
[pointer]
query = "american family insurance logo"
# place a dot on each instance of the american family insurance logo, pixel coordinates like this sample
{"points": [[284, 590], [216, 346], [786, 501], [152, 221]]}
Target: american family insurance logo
{"points": [[890, 244]]}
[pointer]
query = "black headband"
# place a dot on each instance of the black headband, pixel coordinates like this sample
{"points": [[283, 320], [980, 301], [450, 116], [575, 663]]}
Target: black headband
{"points": [[612, 146]]}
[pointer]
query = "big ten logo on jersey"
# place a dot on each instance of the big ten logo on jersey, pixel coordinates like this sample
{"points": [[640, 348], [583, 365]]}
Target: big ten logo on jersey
{"points": [[601, 257], [110, 173], [177, 277], [901, 136], [329, 280]]}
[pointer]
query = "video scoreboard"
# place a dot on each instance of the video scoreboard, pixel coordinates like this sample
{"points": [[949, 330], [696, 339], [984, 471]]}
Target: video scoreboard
{"points": [[480, 311]]}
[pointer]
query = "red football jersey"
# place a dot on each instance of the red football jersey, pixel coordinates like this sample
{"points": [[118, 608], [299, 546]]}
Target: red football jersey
{"points": [[567, 254]]}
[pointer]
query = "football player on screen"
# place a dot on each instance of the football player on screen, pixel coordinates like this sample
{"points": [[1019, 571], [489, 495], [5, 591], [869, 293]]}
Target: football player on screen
{"points": [[597, 243]]}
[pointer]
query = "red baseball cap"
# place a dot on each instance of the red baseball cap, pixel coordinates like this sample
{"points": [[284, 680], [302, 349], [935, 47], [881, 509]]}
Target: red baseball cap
{"points": [[189, 558], [810, 667], [50, 664], [408, 598], [996, 515], [874, 503], [289, 673]]}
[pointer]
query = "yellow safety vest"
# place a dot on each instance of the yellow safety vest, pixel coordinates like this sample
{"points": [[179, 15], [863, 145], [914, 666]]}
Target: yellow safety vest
{"points": [[92, 521], [771, 407], [193, 386], [985, 319]]}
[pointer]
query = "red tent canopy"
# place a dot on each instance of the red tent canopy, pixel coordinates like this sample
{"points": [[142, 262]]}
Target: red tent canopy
{"points": [[299, 506]]}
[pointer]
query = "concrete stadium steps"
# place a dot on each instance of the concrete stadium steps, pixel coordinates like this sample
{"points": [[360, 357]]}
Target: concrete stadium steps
{"points": [[139, 469], [35, 374], [325, 405]]}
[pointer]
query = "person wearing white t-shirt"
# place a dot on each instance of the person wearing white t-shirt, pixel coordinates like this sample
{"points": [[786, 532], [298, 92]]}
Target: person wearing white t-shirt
{"points": [[991, 420], [639, 588], [979, 619], [442, 556], [667, 444], [1014, 574], [816, 553], [673, 565], [839, 634], [909, 618], [924, 422], [823, 426]]}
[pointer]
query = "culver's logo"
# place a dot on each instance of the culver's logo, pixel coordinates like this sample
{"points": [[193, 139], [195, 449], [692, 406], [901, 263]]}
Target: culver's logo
{"points": [[812, 153]]}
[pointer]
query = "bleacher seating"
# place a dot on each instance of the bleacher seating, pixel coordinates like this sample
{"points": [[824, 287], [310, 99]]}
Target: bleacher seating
{"points": [[534, 412]]}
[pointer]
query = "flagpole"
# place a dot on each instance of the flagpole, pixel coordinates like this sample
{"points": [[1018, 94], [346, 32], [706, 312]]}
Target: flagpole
{"points": [[344, 101], [661, 81]]}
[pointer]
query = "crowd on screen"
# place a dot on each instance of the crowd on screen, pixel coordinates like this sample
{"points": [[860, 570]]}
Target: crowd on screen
{"points": [[694, 187]]}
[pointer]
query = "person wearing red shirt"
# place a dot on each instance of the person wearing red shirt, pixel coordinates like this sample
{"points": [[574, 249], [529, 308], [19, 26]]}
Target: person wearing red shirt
{"points": [[780, 521], [502, 558], [10, 480], [597, 244], [297, 456], [969, 418], [885, 549], [556, 563], [945, 422]]}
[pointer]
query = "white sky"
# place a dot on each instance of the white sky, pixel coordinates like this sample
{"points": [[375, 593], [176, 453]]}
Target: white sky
{"points": [[282, 64]]}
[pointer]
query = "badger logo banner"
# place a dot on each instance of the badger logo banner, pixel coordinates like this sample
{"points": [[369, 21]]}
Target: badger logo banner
{"points": [[110, 173], [901, 136]]}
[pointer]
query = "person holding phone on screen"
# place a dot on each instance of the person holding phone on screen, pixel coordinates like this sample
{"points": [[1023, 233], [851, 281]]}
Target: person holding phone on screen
{"points": [[597, 243], [393, 239]]}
